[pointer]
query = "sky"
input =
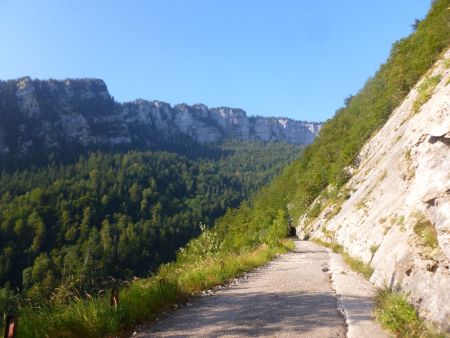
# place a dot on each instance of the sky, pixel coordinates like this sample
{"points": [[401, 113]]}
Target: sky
{"points": [[292, 58]]}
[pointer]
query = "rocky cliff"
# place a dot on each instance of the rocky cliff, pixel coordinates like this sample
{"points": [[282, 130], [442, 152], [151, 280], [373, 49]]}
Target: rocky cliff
{"points": [[56, 115], [394, 213]]}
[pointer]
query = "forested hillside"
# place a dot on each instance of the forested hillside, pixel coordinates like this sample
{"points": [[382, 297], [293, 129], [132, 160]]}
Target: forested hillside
{"points": [[328, 159], [116, 216]]}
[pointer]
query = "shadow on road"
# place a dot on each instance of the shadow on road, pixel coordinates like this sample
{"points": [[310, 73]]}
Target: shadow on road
{"points": [[254, 315]]}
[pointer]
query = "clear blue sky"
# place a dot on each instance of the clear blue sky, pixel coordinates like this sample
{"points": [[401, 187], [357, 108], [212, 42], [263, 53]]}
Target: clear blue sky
{"points": [[295, 58]]}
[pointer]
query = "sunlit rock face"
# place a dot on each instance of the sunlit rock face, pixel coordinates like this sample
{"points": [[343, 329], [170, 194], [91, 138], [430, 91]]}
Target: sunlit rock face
{"points": [[397, 215], [50, 116]]}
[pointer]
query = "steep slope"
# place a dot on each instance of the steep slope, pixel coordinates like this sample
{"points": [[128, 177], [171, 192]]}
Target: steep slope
{"points": [[41, 118], [397, 216]]}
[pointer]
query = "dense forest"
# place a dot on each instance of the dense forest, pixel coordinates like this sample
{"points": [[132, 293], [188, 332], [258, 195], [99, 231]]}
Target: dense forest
{"points": [[115, 216], [326, 161]]}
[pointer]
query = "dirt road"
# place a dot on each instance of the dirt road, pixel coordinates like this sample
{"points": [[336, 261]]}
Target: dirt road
{"points": [[291, 297]]}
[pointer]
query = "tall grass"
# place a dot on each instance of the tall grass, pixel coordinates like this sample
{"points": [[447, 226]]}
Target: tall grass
{"points": [[397, 315], [354, 263], [143, 300], [425, 91]]}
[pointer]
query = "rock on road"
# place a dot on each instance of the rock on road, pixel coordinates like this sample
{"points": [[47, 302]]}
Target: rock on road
{"points": [[290, 297]]}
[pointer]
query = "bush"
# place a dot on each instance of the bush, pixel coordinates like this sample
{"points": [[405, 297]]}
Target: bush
{"points": [[426, 231], [396, 314]]}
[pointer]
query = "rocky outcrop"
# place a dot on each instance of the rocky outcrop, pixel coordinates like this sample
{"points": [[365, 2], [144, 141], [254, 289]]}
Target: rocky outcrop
{"points": [[396, 210], [53, 115]]}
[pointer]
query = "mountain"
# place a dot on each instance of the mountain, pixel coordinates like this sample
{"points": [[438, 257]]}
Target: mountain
{"points": [[40, 118]]}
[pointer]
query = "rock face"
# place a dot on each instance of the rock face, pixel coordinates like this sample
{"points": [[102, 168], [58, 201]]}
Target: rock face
{"points": [[55, 115], [397, 217]]}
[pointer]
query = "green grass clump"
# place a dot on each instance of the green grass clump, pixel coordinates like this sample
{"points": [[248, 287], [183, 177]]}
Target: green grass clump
{"points": [[358, 265], [143, 300], [426, 231], [425, 91], [447, 63], [374, 248], [397, 315], [354, 263]]}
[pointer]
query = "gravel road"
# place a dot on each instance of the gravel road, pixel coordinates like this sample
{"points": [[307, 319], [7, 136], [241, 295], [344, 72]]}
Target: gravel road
{"points": [[290, 297]]}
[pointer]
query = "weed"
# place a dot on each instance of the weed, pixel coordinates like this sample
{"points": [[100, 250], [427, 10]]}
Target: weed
{"points": [[447, 63], [425, 91], [383, 176], [395, 313], [329, 234], [355, 264], [410, 172], [358, 265], [425, 230], [334, 212], [315, 210], [144, 299], [374, 249], [361, 204]]}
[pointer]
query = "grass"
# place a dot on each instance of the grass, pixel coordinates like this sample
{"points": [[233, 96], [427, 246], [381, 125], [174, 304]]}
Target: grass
{"points": [[447, 63], [373, 249], [361, 204], [354, 263], [143, 300], [425, 230], [425, 91], [397, 315], [382, 176], [401, 223], [315, 210], [410, 172]]}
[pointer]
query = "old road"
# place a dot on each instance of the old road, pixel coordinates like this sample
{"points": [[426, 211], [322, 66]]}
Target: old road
{"points": [[292, 296]]}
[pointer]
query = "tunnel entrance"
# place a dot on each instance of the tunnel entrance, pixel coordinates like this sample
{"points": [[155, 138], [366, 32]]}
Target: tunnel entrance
{"points": [[292, 232]]}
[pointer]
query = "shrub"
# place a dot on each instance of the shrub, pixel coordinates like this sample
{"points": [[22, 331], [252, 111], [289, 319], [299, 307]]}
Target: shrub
{"points": [[396, 314], [426, 231]]}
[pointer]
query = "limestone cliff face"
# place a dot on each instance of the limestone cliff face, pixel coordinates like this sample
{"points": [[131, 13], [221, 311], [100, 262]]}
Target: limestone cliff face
{"points": [[53, 115], [397, 215]]}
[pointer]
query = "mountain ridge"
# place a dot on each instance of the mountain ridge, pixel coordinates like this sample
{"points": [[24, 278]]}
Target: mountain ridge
{"points": [[54, 115]]}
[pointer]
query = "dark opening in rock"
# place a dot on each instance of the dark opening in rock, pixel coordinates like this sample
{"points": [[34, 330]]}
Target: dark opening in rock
{"points": [[433, 268], [292, 231]]}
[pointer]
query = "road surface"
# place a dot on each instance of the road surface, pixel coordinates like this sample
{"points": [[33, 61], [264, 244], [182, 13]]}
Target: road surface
{"points": [[290, 297]]}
